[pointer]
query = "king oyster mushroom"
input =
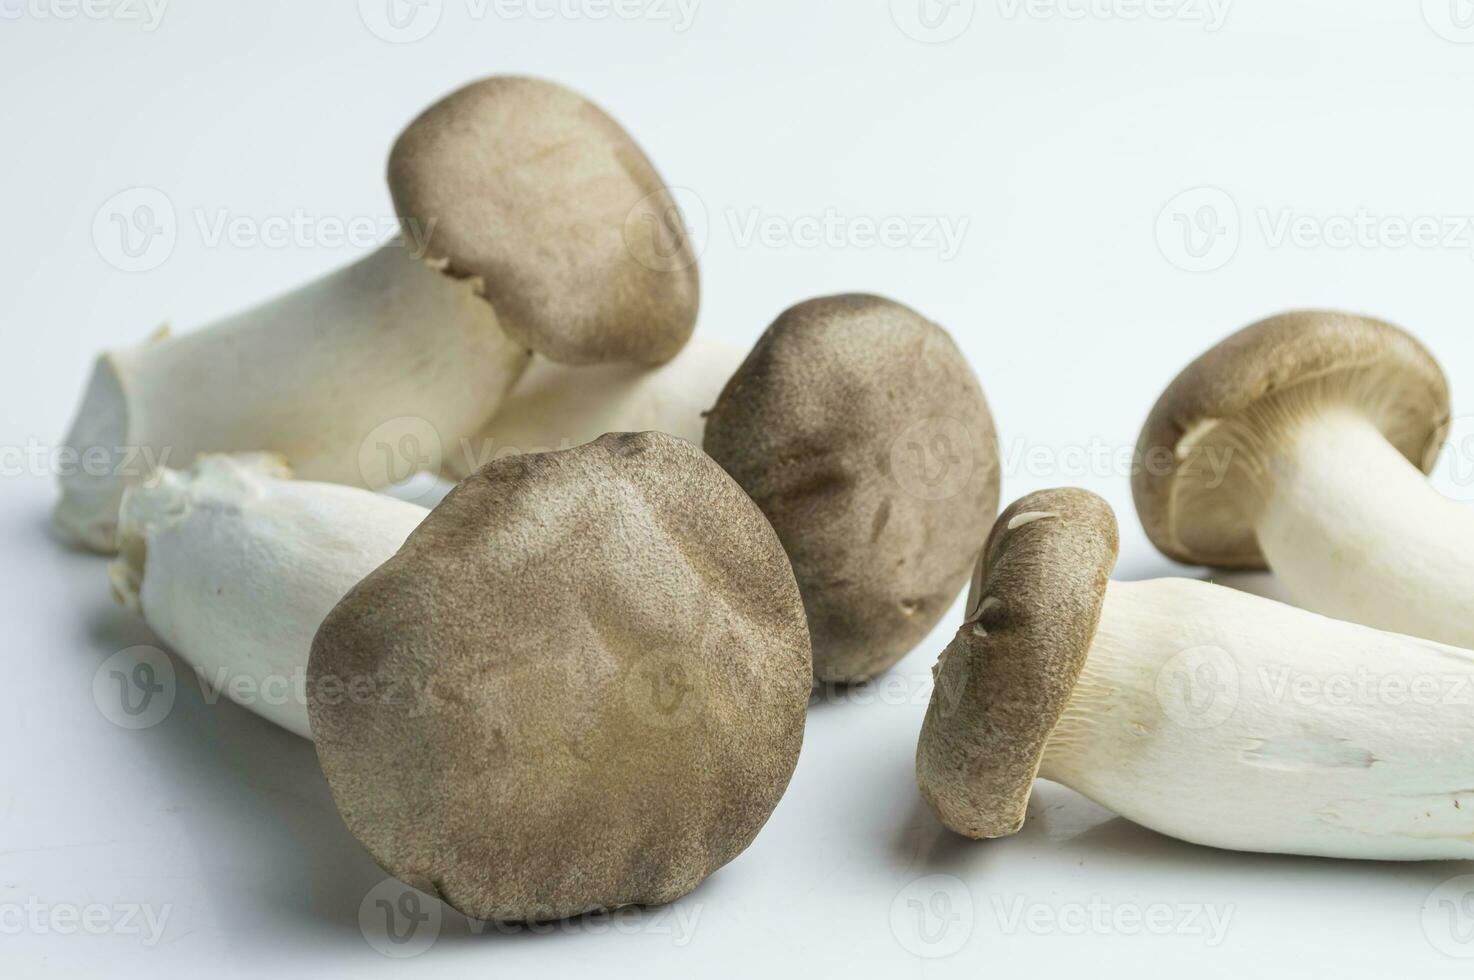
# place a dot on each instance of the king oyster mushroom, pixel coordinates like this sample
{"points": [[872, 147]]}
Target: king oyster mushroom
{"points": [[521, 204], [580, 683], [1303, 442], [1204, 713], [862, 433]]}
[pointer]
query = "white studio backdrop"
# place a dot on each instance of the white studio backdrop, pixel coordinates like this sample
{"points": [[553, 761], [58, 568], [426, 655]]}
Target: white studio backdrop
{"points": [[1086, 193]]}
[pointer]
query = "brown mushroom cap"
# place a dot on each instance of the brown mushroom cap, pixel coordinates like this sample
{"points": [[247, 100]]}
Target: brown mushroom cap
{"points": [[580, 685], [1243, 397], [1004, 681], [862, 433], [576, 239]]}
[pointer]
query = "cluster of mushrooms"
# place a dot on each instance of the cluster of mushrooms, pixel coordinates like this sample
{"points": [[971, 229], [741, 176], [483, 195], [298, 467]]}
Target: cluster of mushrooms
{"points": [[580, 682]]}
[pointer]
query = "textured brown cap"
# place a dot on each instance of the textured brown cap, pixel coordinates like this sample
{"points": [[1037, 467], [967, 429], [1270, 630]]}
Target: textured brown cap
{"points": [[862, 433], [580, 685], [1004, 681], [576, 239], [1404, 393]]}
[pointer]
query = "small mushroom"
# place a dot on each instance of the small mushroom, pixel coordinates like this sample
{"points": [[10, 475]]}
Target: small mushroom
{"points": [[862, 433], [1303, 441], [522, 206], [581, 682], [1204, 713]]}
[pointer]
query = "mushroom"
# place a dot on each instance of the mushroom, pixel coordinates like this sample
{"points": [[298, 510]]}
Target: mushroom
{"points": [[862, 433], [531, 222], [1304, 441], [1204, 713], [581, 683]]}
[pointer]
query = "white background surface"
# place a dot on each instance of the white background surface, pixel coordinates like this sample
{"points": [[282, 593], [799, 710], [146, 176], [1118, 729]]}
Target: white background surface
{"points": [[1059, 141]]}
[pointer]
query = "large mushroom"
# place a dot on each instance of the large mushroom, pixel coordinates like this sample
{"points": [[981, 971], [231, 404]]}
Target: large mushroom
{"points": [[532, 222], [580, 684], [1204, 713], [1303, 442]]}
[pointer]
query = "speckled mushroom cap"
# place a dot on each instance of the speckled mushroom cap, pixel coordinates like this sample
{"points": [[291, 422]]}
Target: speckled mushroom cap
{"points": [[574, 236], [862, 433], [1238, 398], [580, 685], [1004, 681]]}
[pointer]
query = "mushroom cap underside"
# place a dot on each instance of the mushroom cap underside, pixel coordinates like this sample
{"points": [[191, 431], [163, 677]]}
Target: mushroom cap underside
{"points": [[1244, 396]]}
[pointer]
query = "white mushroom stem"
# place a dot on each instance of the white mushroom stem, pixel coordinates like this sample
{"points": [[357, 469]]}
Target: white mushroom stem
{"points": [[235, 566], [557, 406], [1229, 720], [1357, 532], [362, 378]]}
